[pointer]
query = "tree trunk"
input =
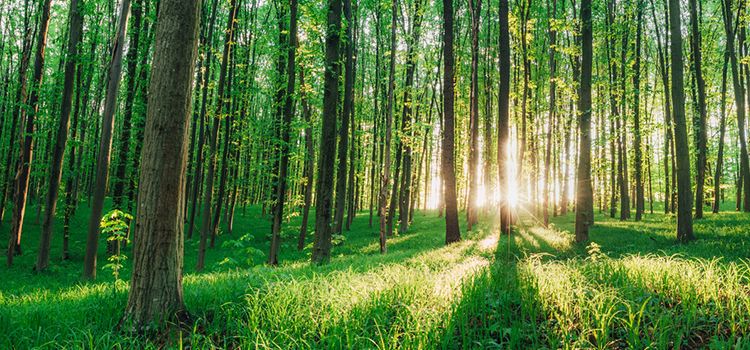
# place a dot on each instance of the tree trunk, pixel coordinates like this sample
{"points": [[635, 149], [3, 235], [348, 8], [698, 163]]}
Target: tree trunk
{"points": [[475, 8], [156, 284], [637, 144], [105, 143], [71, 62], [285, 134], [700, 131], [324, 185], [503, 121], [684, 190], [452, 231], [584, 194], [206, 218], [26, 154]]}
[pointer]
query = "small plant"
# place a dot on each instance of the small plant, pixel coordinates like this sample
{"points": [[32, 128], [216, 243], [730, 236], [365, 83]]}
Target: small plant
{"points": [[116, 225], [242, 252], [595, 252]]}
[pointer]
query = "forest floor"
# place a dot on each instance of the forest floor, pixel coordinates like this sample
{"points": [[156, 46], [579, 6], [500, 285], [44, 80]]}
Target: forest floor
{"points": [[634, 287]]}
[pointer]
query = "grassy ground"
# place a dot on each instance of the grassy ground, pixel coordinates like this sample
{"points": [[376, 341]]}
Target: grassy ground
{"points": [[634, 288]]}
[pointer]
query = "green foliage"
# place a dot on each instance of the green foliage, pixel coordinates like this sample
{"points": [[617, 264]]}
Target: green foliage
{"points": [[242, 252], [116, 226]]}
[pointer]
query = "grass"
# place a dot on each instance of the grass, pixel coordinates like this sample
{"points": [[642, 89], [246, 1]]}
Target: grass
{"points": [[633, 288]]}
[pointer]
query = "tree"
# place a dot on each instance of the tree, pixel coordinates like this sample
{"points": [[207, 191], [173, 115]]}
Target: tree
{"points": [[584, 190], [156, 284], [503, 119], [452, 232], [386, 152], [105, 143], [699, 120], [684, 190], [26, 150], [637, 146], [207, 227], [285, 135], [324, 188], [475, 8], [71, 62]]}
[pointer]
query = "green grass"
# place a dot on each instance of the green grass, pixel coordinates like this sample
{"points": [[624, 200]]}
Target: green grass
{"points": [[636, 288]]}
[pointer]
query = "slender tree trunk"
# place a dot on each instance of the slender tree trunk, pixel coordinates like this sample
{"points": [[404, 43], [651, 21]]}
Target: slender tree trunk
{"points": [[503, 120], [285, 134], [452, 231], [28, 116], [552, 14], [347, 110], [684, 190], [324, 189], [722, 133], [206, 222], [637, 144], [699, 121], [584, 192], [105, 143], [475, 8], [71, 62], [309, 159]]}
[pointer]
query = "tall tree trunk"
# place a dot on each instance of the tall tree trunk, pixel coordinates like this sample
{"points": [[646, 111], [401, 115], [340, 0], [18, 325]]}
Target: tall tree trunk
{"points": [[739, 100], [452, 231], [205, 75], [347, 110], [475, 8], [324, 185], [105, 143], [584, 193], [206, 218], [503, 120], [684, 190], [700, 131], [386, 152], [285, 134], [722, 133], [28, 117], [309, 159], [156, 284], [118, 193], [637, 144], [71, 62], [552, 14]]}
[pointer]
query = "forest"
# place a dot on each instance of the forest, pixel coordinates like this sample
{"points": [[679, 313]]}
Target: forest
{"points": [[375, 174]]}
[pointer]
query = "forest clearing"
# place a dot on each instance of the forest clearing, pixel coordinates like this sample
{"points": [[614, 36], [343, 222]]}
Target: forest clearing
{"points": [[374, 174]]}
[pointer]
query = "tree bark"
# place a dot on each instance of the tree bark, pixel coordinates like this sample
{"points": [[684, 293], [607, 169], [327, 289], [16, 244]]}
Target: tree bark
{"points": [[684, 190], [71, 62], [324, 185], [105, 143], [584, 194], [156, 284], [452, 231]]}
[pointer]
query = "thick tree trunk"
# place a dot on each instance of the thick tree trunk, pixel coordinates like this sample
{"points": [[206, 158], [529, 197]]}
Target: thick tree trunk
{"points": [[156, 284]]}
